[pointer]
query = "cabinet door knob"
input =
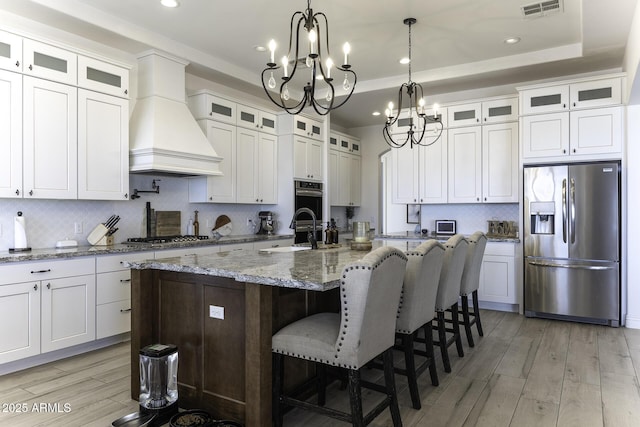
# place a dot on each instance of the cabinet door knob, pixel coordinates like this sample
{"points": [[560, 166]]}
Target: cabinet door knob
{"points": [[210, 198], [485, 199], [564, 151], [477, 199], [126, 92], [30, 67], [17, 63], [126, 195], [574, 150], [564, 105], [35, 287], [31, 192], [574, 104], [48, 285], [17, 192]]}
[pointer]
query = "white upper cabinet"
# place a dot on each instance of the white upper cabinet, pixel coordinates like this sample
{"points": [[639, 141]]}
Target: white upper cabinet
{"points": [[576, 95], [589, 127], [432, 175], [307, 158], [10, 52], [103, 77], [217, 189], [256, 173], [50, 144], [500, 163], [465, 165], [303, 126], [50, 62], [545, 100], [103, 146], [10, 134], [405, 163], [598, 93], [500, 110], [464, 115], [204, 105], [253, 118], [596, 131]]}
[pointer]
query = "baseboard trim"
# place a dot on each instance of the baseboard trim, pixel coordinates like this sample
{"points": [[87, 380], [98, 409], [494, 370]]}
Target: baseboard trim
{"points": [[498, 306], [52, 356], [632, 322]]}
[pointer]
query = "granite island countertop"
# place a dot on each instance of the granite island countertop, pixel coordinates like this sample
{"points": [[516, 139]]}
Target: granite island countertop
{"points": [[86, 250], [316, 270]]}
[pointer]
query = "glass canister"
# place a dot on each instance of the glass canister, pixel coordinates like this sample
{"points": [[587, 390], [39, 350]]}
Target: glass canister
{"points": [[361, 231], [158, 376]]}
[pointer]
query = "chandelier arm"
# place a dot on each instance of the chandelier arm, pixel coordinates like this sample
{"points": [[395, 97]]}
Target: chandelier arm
{"points": [[353, 86], [326, 26], [293, 18], [390, 142]]}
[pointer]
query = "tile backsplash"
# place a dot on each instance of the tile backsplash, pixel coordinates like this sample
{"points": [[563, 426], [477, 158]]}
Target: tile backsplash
{"points": [[48, 221]]}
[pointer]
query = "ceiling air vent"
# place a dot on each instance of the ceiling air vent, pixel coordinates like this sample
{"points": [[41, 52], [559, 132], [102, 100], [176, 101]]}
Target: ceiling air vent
{"points": [[544, 8]]}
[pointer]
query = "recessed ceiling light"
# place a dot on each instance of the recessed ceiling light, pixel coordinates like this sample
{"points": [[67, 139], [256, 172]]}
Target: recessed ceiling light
{"points": [[260, 48], [405, 61], [375, 113], [512, 40], [170, 3]]}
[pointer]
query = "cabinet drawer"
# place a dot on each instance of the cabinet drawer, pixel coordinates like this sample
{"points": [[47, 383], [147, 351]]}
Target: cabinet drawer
{"points": [[113, 319], [106, 263], [500, 249], [45, 270], [103, 77], [113, 286]]}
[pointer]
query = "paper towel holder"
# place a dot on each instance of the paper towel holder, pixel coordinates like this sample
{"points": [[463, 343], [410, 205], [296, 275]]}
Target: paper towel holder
{"points": [[24, 249]]}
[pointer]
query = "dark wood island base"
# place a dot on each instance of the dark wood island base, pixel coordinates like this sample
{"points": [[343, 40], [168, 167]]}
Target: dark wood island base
{"points": [[224, 364]]}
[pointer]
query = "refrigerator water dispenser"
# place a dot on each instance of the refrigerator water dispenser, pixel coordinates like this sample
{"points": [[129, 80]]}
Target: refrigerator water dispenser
{"points": [[542, 217]]}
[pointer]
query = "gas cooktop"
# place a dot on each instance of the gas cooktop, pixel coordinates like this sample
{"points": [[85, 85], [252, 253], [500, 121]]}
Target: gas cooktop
{"points": [[166, 239]]}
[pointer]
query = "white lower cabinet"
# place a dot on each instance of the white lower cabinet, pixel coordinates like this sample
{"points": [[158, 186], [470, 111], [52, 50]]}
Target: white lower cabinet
{"points": [[19, 321], [113, 293], [498, 274], [45, 306], [68, 312]]}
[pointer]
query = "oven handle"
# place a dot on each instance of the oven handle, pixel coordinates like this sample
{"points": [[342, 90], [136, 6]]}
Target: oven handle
{"points": [[312, 193]]}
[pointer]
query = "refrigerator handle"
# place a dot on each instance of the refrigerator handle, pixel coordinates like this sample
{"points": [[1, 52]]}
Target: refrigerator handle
{"points": [[564, 210], [572, 213]]}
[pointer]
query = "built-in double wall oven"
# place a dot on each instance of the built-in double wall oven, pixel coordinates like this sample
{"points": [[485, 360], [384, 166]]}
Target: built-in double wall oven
{"points": [[308, 195]]}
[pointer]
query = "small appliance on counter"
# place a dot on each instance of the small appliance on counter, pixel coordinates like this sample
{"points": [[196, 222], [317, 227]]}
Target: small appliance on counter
{"points": [[267, 222], [446, 227], [158, 387], [20, 234], [102, 234]]}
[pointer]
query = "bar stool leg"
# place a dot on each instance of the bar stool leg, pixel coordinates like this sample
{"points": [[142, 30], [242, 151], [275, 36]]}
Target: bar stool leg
{"points": [[278, 380], [410, 367], [476, 312], [456, 329], [442, 341], [390, 383], [321, 372], [433, 372], [355, 398], [467, 321]]}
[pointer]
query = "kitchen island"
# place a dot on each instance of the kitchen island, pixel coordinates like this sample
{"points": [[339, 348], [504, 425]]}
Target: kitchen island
{"points": [[221, 310]]}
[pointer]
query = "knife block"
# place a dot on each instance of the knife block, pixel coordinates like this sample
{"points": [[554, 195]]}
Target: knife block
{"points": [[105, 241]]}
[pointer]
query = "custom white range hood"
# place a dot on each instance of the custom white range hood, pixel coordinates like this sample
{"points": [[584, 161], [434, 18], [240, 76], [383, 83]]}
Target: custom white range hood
{"points": [[164, 137]]}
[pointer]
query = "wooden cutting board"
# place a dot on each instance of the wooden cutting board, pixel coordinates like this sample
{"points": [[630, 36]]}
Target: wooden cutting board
{"points": [[168, 223]]}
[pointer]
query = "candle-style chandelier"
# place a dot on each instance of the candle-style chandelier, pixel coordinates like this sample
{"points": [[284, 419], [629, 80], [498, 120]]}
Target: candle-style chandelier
{"points": [[311, 73], [414, 117]]}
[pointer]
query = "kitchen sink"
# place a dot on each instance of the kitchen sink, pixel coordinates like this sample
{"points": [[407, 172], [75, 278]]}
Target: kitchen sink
{"points": [[286, 249]]}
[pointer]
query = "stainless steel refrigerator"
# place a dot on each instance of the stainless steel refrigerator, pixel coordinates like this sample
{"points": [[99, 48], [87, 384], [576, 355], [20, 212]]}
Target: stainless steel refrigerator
{"points": [[572, 242]]}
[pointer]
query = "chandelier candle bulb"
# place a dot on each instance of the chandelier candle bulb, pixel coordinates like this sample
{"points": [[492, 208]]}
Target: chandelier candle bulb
{"points": [[313, 37], [285, 65], [329, 65], [272, 49], [346, 48]]}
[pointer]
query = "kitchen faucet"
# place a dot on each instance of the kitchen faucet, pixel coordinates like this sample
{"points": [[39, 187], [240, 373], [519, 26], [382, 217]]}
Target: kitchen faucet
{"points": [[311, 236]]}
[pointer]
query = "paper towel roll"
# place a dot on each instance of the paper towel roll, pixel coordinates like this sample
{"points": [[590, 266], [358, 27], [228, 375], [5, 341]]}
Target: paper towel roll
{"points": [[20, 232]]}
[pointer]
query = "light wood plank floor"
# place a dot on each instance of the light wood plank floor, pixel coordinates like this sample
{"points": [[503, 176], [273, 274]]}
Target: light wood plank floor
{"points": [[523, 372]]}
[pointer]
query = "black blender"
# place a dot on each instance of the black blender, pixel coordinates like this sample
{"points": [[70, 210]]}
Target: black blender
{"points": [[158, 387]]}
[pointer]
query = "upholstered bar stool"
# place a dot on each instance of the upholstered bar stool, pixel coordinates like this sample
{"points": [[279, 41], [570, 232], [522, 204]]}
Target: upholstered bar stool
{"points": [[417, 310], [470, 283], [365, 327], [447, 298]]}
